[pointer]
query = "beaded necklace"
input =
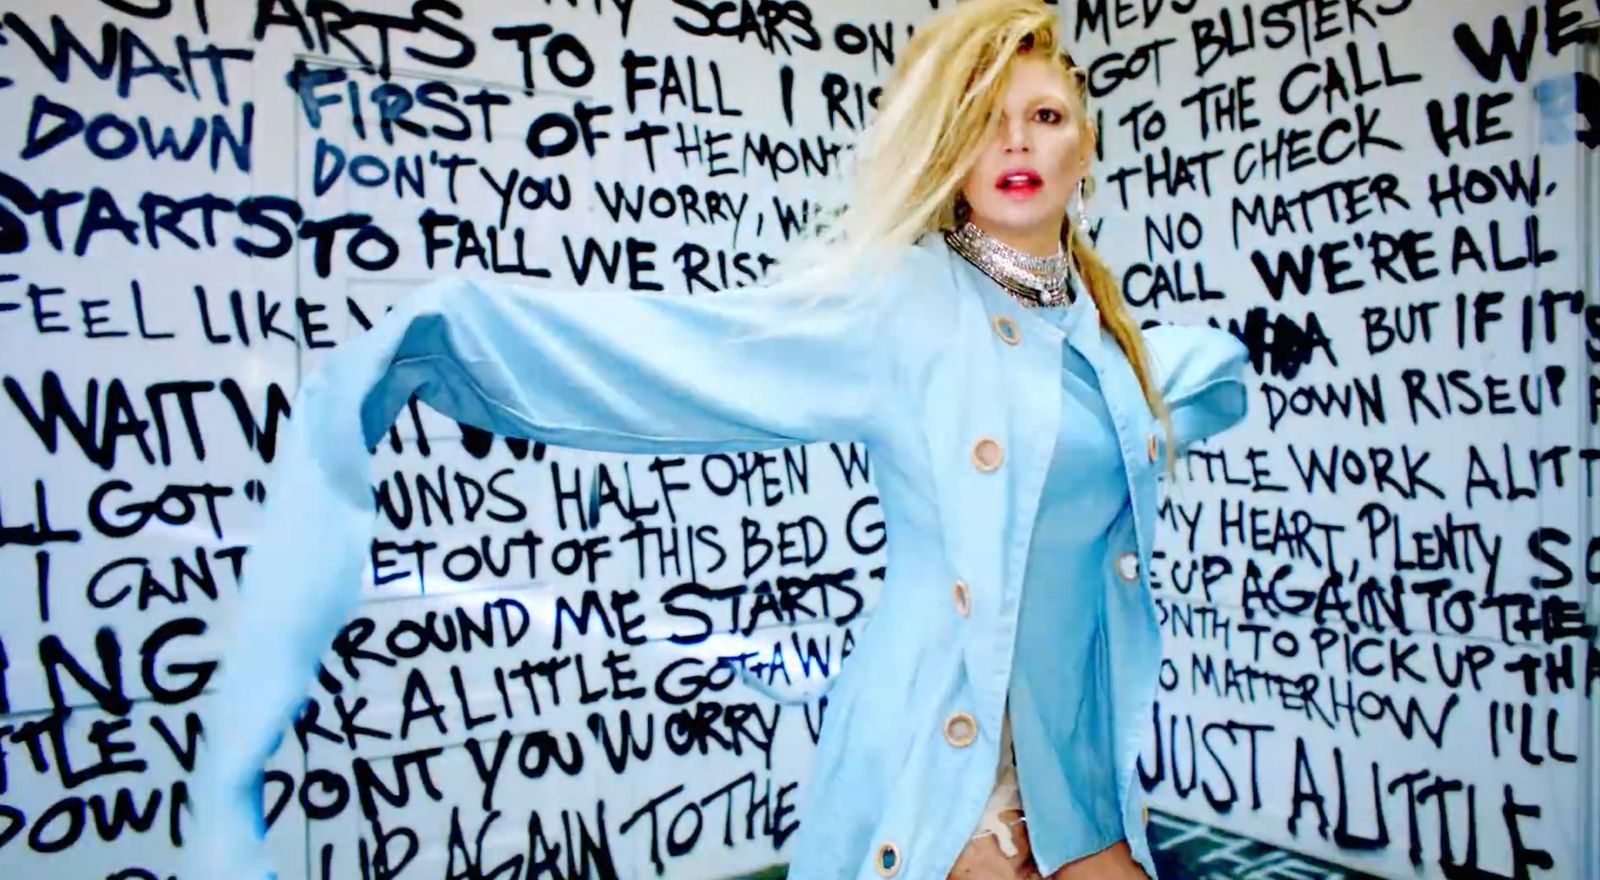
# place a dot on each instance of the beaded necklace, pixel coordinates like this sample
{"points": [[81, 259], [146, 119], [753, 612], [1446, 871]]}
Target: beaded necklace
{"points": [[1033, 281]]}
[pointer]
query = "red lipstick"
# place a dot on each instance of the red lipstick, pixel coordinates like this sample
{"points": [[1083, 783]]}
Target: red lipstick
{"points": [[1019, 182]]}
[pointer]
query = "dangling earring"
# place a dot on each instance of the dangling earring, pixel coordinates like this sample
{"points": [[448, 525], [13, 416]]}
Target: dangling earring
{"points": [[1083, 205], [963, 210], [1075, 222]]}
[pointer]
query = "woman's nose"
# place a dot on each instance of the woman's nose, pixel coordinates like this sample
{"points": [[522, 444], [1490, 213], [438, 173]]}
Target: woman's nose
{"points": [[1014, 135]]}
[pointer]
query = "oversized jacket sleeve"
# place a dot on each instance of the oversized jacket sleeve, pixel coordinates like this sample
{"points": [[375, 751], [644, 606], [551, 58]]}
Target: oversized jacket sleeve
{"points": [[604, 370], [1201, 373]]}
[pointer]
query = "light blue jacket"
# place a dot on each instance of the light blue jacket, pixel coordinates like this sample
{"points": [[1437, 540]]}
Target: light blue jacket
{"points": [[921, 365]]}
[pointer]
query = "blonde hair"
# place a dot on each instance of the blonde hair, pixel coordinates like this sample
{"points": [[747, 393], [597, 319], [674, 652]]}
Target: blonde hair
{"points": [[939, 109]]}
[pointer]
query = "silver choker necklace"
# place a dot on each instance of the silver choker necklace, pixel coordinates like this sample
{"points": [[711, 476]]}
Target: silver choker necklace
{"points": [[1033, 281]]}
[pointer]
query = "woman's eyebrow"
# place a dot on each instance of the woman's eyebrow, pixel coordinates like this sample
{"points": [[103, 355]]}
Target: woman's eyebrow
{"points": [[1052, 97]]}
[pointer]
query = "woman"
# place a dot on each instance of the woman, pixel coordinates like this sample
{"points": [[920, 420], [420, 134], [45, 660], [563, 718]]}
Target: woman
{"points": [[957, 322]]}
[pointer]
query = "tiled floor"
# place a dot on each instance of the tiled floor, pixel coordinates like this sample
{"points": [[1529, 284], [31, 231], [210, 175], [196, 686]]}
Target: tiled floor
{"points": [[1187, 850]]}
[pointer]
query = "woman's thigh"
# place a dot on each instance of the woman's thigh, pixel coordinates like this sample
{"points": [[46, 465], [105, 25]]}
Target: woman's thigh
{"points": [[982, 858], [1115, 862]]}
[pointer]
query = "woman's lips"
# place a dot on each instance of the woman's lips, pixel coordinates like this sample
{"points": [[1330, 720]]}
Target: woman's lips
{"points": [[1019, 183], [1019, 191]]}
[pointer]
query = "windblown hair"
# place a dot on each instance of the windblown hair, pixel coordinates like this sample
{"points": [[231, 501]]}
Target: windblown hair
{"points": [[939, 108]]}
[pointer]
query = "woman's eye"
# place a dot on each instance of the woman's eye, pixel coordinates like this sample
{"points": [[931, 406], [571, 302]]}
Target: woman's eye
{"points": [[1048, 115]]}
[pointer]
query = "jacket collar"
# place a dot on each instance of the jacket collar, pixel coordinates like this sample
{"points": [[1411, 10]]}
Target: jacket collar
{"points": [[1086, 336]]}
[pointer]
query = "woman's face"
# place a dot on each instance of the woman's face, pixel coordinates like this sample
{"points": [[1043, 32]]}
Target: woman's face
{"points": [[1029, 170]]}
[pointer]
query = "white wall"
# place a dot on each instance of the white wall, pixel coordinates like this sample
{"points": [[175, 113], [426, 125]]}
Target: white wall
{"points": [[168, 305]]}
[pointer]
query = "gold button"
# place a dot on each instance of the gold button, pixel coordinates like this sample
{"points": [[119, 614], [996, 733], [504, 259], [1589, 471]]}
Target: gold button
{"points": [[1150, 445], [888, 861], [960, 728], [1006, 328], [1145, 811], [987, 454], [963, 598], [1128, 566]]}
